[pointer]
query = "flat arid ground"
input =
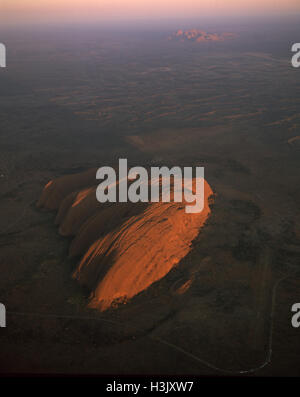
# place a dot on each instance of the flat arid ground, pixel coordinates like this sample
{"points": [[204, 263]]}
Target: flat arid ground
{"points": [[73, 101]]}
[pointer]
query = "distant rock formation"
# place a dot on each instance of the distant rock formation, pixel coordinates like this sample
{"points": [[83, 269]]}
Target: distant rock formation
{"points": [[125, 247], [199, 36]]}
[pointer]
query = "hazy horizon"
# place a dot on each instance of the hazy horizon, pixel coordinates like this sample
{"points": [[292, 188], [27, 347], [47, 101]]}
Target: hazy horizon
{"points": [[110, 12]]}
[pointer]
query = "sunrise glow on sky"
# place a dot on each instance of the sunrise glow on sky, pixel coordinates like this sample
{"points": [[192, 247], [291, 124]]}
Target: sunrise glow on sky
{"points": [[18, 11]]}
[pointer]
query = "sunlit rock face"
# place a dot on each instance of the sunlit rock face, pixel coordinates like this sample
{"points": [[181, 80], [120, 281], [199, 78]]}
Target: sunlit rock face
{"points": [[123, 247], [199, 36], [55, 191]]}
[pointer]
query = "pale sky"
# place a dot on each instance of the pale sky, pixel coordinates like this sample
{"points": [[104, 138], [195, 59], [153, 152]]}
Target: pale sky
{"points": [[16, 11]]}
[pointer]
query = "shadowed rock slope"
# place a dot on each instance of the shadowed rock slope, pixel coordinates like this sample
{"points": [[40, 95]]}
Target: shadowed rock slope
{"points": [[124, 247]]}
